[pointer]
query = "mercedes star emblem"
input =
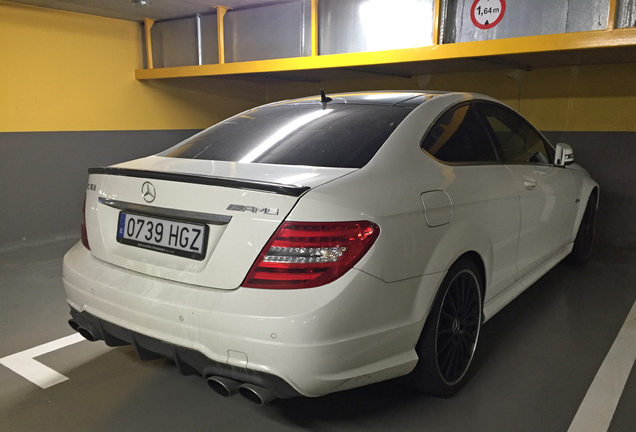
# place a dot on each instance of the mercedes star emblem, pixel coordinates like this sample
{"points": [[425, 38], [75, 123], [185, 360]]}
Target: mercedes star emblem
{"points": [[148, 192]]}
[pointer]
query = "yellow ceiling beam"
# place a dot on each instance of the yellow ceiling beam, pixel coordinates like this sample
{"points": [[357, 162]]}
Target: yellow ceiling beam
{"points": [[611, 18], [148, 23], [454, 51], [314, 27], [220, 13], [437, 19]]}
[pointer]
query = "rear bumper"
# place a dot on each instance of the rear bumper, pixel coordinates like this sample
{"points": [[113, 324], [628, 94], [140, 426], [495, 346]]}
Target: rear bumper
{"points": [[352, 332], [188, 361]]}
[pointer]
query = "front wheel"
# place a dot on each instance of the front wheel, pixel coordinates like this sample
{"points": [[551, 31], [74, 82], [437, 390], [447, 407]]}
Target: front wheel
{"points": [[448, 341]]}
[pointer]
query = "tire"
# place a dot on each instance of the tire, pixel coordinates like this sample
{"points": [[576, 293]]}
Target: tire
{"points": [[446, 347], [584, 240]]}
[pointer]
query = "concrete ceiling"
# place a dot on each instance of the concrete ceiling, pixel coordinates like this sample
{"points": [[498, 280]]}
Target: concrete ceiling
{"points": [[131, 10]]}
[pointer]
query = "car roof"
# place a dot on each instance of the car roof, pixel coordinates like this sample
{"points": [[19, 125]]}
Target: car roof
{"points": [[405, 98]]}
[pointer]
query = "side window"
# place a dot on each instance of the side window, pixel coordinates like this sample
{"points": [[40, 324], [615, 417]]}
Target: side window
{"points": [[458, 136], [519, 142]]}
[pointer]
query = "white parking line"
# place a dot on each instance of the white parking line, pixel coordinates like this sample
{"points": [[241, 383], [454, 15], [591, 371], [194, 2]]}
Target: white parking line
{"points": [[597, 409], [23, 363]]}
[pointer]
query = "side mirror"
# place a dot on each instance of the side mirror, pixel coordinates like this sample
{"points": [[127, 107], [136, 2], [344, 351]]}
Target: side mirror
{"points": [[564, 155]]}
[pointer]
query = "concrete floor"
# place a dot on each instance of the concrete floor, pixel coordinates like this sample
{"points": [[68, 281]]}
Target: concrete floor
{"points": [[536, 362]]}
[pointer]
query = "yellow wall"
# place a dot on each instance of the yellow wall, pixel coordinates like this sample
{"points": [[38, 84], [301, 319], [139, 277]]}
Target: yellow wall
{"points": [[62, 71], [572, 98]]}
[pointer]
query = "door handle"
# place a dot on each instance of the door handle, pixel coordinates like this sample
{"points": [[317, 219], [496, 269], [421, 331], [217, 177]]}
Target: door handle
{"points": [[530, 184]]}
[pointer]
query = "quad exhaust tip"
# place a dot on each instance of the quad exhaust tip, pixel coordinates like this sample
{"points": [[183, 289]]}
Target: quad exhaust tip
{"points": [[86, 333], [256, 394], [227, 387]]}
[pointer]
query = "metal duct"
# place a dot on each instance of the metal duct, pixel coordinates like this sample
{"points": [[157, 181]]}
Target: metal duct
{"points": [[525, 18], [347, 26], [174, 43], [626, 14], [268, 32]]}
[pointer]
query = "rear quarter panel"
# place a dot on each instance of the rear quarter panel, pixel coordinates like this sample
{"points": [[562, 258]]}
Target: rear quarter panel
{"points": [[387, 191]]}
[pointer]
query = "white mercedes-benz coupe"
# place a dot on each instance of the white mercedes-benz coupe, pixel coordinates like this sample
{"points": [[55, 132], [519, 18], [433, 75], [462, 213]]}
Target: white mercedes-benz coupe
{"points": [[315, 245]]}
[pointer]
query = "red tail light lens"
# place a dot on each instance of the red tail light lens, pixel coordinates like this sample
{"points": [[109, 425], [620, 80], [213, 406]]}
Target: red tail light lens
{"points": [[84, 233], [310, 254]]}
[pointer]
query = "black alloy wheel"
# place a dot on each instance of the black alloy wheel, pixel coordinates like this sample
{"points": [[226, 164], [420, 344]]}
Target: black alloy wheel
{"points": [[458, 327], [447, 345]]}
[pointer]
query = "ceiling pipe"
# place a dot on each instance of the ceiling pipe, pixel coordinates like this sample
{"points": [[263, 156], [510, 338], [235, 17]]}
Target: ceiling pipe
{"points": [[197, 20]]}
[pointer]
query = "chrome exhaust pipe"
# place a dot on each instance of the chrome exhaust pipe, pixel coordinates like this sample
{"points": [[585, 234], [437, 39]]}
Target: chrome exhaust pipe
{"points": [[86, 333], [226, 387], [256, 394]]}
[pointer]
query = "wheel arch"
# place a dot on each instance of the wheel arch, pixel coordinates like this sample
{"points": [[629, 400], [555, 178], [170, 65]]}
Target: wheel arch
{"points": [[479, 263], [595, 192], [588, 189]]}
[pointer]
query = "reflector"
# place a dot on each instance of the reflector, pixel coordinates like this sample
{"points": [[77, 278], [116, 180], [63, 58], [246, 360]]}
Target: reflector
{"points": [[83, 227]]}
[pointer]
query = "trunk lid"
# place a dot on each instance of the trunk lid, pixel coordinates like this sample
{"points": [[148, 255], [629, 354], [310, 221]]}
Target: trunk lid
{"points": [[148, 215]]}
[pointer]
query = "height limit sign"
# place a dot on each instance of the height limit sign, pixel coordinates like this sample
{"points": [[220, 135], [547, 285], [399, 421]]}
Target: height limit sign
{"points": [[487, 13]]}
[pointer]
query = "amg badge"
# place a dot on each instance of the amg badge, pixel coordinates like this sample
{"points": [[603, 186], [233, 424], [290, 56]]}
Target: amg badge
{"points": [[242, 208]]}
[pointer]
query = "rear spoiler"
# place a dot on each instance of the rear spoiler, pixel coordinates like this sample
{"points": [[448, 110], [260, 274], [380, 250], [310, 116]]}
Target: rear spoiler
{"points": [[277, 188]]}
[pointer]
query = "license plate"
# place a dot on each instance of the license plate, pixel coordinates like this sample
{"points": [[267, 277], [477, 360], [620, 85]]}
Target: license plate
{"points": [[185, 239]]}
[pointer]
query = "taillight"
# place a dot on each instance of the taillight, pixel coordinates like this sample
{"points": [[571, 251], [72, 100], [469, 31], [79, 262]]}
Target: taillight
{"points": [[309, 254], [84, 234]]}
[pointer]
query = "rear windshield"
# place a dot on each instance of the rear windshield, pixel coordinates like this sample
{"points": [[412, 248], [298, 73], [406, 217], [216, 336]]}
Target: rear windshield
{"points": [[336, 135]]}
